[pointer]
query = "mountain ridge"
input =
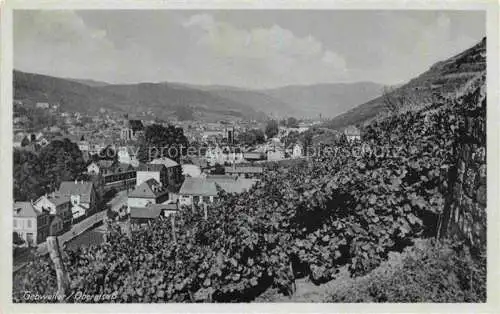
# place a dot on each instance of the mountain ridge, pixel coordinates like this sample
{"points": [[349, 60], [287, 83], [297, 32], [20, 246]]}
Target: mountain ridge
{"points": [[446, 78]]}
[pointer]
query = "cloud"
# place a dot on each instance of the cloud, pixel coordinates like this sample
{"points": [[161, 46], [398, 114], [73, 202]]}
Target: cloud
{"points": [[275, 49]]}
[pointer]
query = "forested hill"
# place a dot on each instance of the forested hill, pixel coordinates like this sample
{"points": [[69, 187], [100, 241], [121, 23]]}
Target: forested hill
{"points": [[444, 78], [329, 99], [162, 99]]}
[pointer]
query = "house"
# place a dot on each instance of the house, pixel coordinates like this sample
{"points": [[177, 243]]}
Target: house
{"points": [[152, 171], [132, 131], [174, 170], [30, 224], [93, 168], [217, 155], [352, 133], [297, 151], [245, 171], [57, 205], [151, 212], [83, 197], [148, 192], [197, 191], [120, 176]]}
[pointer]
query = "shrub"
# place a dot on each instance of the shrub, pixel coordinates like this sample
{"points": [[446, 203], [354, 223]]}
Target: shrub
{"points": [[429, 271]]}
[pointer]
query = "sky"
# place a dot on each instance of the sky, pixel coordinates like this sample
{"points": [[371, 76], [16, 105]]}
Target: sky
{"points": [[245, 48]]}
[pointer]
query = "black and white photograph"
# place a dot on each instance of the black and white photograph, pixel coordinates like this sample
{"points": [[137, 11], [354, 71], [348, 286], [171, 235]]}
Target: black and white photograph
{"points": [[248, 156]]}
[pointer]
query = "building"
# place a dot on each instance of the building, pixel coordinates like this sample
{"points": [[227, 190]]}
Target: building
{"points": [[56, 205], [114, 175], [148, 192], [352, 133], [120, 177], [245, 171], [174, 170], [83, 197], [217, 155], [30, 224], [152, 171], [197, 191], [132, 131]]}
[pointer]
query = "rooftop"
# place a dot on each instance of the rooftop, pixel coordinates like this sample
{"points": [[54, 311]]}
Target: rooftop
{"points": [[198, 186], [148, 189], [145, 212], [82, 188], [165, 161], [25, 209]]}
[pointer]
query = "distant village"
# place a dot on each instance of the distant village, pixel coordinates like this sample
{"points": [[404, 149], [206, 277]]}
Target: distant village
{"points": [[141, 191]]}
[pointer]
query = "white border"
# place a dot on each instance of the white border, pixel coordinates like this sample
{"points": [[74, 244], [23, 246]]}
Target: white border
{"points": [[490, 6]]}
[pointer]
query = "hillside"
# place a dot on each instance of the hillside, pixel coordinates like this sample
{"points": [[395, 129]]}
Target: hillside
{"points": [[258, 100], [162, 99], [91, 83], [329, 100], [445, 78]]}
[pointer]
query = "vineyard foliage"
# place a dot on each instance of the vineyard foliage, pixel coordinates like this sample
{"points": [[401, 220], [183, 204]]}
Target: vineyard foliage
{"points": [[350, 205]]}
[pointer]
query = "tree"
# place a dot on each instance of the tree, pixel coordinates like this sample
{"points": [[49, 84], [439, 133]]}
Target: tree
{"points": [[61, 160], [291, 138], [37, 174], [272, 128], [159, 141], [292, 123], [27, 176], [218, 169]]}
